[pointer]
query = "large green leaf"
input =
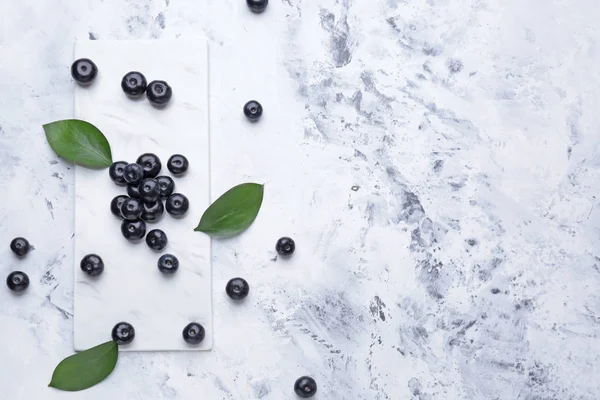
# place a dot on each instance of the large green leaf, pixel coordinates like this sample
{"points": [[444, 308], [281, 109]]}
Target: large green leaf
{"points": [[233, 212], [80, 142], [83, 370]]}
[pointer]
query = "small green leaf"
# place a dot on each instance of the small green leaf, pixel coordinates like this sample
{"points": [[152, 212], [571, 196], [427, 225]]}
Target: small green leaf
{"points": [[84, 370], [80, 142], [233, 212]]}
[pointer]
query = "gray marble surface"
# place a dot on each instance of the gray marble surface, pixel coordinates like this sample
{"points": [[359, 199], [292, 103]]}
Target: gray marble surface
{"points": [[436, 161]]}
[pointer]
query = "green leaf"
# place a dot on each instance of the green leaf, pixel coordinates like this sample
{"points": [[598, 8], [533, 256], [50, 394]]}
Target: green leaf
{"points": [[233, 212], [83, 370], [80, 142]]}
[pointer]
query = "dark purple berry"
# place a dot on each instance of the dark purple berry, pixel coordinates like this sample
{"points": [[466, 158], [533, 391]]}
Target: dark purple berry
{"points": [[193, 333], [20, 246], [115, 205], [84, 71], [133, 174], [253, 110], [178, 164], [156, 239], [167, 186], [285, 246], [116, 171], [131, 209], [134, 84], [237, 288], [257, 6], [159, 93], [133, 230], [151, 164], [153, 211], [177, 204], [123, 333], [168, 264], [305, 387], [92, 265], [17, 281]]}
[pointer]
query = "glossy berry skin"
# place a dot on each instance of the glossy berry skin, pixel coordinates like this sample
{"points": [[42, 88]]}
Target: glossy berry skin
{"points": [[159, 93], [133, 191], [17, 281], [133, 230], [151, 164], [305, 387], [92, 265], [115, 205], [84, 71], [253, 110], [167, 186], [149, 190], [131, 209], [237, 288], [168, 264], [116, 172], [193, 333], [257, 6], [177, 204], [156, 239], [178, 164], [123, 333], [134, 84], [285, 246], [152, 211], [20, 246], [133, 174]]}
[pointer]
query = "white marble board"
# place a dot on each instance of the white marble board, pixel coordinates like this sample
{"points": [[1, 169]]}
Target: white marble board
{"points": [[131, 288]]}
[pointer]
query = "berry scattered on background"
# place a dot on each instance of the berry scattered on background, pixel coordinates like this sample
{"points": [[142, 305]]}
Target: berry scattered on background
{"points": [[84, 71], [134, 84], [253, 110], [20, 246], [123, 333], [17, 281]]}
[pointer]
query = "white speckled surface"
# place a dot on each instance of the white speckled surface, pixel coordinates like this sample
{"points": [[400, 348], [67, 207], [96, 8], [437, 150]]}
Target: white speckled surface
{"points": [[436, 162], [131, 288]]}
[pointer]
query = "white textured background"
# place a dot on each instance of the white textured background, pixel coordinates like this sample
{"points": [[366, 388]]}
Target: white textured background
{"points": [[436, 161]]}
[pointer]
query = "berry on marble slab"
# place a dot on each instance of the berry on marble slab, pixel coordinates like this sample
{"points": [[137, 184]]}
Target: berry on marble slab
{"points": [[305, 387], [17, 281], [116, 172], [84, 71], [149, 190], [156, 239], [92, 265], [133, 173], [20, 246], [167, 186], [285, 246], [253, 110], [131, 209], [151, 164], [159, 93], [168, 264], [134, 84], [152, 211], [178, 164], [257, 6], [115, 205], [133, 191], [193, 333], [123, 333], [177, 204], [133, 230], [237, 288]]}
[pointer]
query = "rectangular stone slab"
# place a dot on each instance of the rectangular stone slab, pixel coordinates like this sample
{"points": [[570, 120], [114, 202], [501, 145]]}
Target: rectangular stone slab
{"points": [[131, 287]]}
